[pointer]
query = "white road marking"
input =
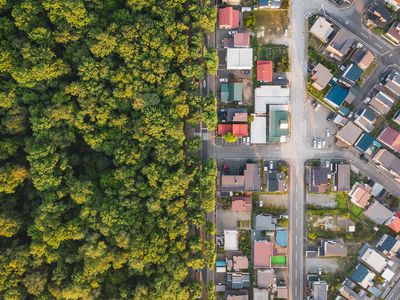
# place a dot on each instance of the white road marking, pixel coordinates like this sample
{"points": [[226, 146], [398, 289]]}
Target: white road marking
{"points": [[297, 222], [378, 45], [364, 35]]}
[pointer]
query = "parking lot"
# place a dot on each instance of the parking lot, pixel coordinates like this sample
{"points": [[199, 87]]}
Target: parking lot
{"points": [[319, 117]]}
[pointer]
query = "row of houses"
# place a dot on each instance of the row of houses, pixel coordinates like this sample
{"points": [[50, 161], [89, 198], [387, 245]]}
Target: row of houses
{"points": [[377, 267]]}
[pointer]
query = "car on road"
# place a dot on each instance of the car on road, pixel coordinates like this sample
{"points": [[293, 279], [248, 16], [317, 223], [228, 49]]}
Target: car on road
{"points": [[363, 158], [271, 165], [350, 115], [319, 144], [328, 132], [314, 143], [286, 32], [280, 77], [323, 144], [367, 100], [223, 80], [330, 117], [327, 164]]}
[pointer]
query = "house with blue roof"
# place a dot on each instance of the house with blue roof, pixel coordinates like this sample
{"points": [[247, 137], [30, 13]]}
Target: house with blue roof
{"points": [[282, 237], [362, 276], [350, 75], [367, 144], [269, 3], [388, 245], [336, 96]]}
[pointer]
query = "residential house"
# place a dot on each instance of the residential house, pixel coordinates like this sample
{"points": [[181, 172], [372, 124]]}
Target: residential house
{"points": [[340, 121], [241, 40], [228, 17], [336, 96], [242, 203], [389, 162], [366, 119], [260, 294], [373, 259], [239, 130], [393, 3], [282, 237], [239, 58], [393, 33], [249, 181], [378, 213], [258, 131], [348, 134], [388, 245], [378, 15], [231, 240], [278, 124], [377, 189], [322, 29], [240, 263], [342, 177], [265, 222], [362, 276], [392, 83], [319, 290], [367, 144], [332, 248], [391, 138], [238, 281], [396, 118], [362, 58], [235, 115], [319, 179], [220, 266], [341, 44], [394, 224], [320, 77], [264, 70], [263, 250], [348, 294], [382, 103], [269, 4], [350, 75], [270, 95], [277, 182], [360, 194], [231, 92], [266, 279], [282, 292], [354, 91]]}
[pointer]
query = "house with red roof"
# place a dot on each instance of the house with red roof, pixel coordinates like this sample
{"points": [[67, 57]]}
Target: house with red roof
{"points": [[263, 250], [394, 223], [228, 18], [360, 194], [391, 138], [264, 70], [241, 40], [241, 204], [240, 130]]}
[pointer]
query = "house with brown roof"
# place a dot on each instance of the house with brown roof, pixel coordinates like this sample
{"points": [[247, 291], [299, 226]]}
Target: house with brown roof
{"points": [[318, 179], [393, 83], [228, 17], [263, 250], [322, 29], [360, 194], [367, 60], [241, 203], [249, 181], [391, 138], [366, 119], [389, 162], [341, 44], [393, 33], [241, 40], [348, 134], [342, 177], [240, 263], [266, 279], [332, 248], [382, 103], [320, 77]]}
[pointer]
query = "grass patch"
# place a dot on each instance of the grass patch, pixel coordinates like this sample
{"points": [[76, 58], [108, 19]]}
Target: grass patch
{"points": [[341, 201], [368, 72], [314, 57], [245, 242], [278, 260], [278, 54]]}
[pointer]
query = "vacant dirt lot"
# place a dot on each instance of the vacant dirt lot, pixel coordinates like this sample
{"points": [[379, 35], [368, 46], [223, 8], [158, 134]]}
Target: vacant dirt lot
{"points": [[325, 200], [274, 199], [327, 265], [229, 219], [271, 25]]}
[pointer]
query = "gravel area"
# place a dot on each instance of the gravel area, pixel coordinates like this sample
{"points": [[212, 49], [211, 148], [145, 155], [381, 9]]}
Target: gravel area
{"points": [[325, 200], [274, 199], [229, 219], [327, 265]]}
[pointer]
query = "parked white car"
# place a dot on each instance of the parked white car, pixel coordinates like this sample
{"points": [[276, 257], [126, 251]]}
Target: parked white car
{"points": [[319, 144], [328, 132]]}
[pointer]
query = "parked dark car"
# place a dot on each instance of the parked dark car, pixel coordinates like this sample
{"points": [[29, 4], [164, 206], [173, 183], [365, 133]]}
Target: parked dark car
{"points": [[330, 117]]}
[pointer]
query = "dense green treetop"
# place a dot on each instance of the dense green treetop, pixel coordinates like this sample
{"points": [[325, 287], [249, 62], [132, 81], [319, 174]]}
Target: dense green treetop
{"points": [[98, 185]]}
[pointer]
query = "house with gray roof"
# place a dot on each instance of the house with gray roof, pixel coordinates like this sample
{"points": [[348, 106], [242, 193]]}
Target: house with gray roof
{"points": [[366, 119], [342, 177], [238, 281], [341, 44], [378, 213], [265, 222]]}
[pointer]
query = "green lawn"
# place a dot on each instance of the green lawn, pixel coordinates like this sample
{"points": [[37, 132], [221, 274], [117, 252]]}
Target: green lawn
{"points": [[279, 260]]}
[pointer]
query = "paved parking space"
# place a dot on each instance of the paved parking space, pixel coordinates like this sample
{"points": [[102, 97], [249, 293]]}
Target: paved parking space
{"points": [[220, 141], [317, 125]]}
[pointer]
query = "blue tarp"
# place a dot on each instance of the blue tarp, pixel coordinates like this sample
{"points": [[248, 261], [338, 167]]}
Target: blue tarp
{"points": [[264, 2], [220, 263], [282, 238]]}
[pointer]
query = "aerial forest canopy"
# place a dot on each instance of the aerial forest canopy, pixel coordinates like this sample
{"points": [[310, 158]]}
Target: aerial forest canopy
{"points": [[99, 184]]}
